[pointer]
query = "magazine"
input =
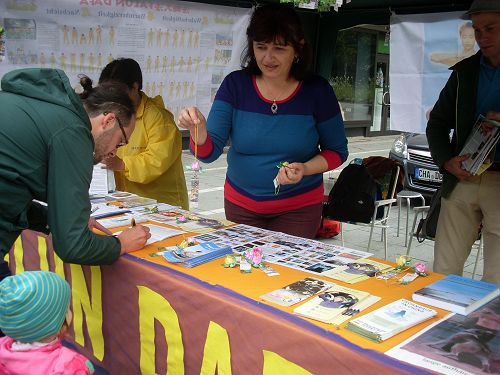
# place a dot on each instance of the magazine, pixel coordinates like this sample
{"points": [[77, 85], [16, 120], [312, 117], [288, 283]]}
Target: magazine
{"points": [[297, 291], [457, 344], [457, 294], [132, 202], [329, 304], [479, 145], [187, 220], [361, 269], [195, 255], [390, 320]]}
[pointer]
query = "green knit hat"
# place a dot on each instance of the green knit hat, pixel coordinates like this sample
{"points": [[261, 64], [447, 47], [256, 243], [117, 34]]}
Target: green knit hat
{"points": [[33, 305]]}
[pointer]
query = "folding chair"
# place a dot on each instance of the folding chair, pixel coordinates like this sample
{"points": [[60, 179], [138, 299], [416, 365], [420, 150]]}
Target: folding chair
{"points": [[382, 221]]}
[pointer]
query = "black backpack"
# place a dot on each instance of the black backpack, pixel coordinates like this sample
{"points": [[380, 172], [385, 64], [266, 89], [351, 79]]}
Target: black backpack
{"points": [[353, 196]]}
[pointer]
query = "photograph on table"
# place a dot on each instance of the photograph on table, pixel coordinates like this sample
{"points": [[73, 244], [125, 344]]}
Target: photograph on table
{"points": [[297, 291], [457, 344]]}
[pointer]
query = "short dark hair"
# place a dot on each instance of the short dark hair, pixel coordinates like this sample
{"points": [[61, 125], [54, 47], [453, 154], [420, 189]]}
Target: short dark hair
{"points": [[280, 24], [110, 96], [123, 70]]}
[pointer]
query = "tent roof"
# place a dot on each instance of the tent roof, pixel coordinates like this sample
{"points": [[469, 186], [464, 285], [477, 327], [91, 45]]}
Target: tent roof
{"points": [[406, 6]]}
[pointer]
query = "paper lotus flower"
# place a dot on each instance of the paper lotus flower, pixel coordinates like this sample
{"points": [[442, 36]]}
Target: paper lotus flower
{"points": [[421, 269], [182, 219], [254, 257], [195, 166], [229, 261], [403, 261], [190, 241]]}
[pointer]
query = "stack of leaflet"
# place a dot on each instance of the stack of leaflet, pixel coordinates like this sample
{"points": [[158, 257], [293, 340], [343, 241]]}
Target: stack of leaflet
{"points": [[390, 320], [195, 255], [457, 293]]}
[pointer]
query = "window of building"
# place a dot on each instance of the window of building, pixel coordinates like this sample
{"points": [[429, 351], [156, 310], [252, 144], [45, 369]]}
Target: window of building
{"points": [[353, 73]]}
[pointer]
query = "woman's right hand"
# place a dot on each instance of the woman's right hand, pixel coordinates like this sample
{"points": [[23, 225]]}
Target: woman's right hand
{"points": [[134, 238], [193, 120], [190, 117]]}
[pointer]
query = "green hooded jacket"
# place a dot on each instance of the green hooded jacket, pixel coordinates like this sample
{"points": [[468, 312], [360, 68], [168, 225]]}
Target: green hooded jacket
{"points": [[46, 154]]}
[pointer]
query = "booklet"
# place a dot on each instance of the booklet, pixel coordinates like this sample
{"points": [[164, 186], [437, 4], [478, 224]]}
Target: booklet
{"points": [[361, 269], [390, 320], [102, 182], [329, 304], [195, 255], [479, 145], [457, 294], [297, 291]]}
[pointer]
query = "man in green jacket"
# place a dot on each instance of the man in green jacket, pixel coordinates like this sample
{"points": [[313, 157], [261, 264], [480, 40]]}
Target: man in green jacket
{"points": [[472, 89], [49, 140]]}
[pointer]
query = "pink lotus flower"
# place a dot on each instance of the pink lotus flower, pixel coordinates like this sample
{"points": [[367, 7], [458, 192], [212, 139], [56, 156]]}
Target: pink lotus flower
{"points": [[254, 256], [195, 166], [420, 268]]}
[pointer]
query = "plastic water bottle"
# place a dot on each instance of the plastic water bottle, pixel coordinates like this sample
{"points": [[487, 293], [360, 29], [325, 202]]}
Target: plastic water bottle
{"points": [[195, 186]]}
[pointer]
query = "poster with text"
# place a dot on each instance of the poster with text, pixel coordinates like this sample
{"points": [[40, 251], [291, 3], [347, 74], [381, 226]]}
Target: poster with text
{"points": [[184, 49]]}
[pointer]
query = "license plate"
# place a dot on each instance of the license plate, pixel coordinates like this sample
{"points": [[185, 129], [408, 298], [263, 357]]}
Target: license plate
{"points": [[428, 175]]}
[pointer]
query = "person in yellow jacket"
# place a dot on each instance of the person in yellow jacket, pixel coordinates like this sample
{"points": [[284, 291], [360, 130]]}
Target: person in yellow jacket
{"points": [[150, 165]]}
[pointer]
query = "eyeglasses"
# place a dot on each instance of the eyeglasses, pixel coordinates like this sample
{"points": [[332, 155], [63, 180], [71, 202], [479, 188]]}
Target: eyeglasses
{"points": [[124, 140]]}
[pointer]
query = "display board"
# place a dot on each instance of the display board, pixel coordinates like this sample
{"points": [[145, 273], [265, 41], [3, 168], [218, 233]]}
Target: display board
{"points": [[184, 49]]}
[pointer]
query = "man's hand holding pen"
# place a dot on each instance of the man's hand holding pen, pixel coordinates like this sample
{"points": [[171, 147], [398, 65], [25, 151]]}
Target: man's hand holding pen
{"points": [[133, 238]]}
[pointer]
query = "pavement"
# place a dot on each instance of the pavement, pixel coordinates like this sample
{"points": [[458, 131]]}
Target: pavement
{"points": [[211, 203]]}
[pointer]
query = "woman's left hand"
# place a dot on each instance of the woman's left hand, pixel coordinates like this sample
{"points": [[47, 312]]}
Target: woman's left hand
{"points": [[291, 173]]}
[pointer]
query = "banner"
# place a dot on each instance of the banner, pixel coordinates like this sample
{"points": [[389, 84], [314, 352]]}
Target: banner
{"points": [[140, 317], [184, 49], [423, 47]]}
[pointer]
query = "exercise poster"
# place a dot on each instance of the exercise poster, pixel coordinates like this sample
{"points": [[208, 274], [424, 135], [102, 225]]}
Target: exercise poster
{"points": [[184, 49]]}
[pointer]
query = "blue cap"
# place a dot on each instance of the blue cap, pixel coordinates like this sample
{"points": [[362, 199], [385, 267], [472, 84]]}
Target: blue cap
{"points": [[33, 305]]}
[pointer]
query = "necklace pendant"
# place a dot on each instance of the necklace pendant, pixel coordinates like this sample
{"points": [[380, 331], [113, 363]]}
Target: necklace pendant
{"points": [[274, 108]]}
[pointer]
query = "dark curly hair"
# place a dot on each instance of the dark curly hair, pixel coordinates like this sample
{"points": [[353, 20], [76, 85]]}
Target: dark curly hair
{"points": [[279, 24], [107, 97]]}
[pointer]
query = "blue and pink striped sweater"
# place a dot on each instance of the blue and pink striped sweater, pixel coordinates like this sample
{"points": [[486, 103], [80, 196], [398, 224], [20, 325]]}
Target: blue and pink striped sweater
{"points": [[308, 122]]}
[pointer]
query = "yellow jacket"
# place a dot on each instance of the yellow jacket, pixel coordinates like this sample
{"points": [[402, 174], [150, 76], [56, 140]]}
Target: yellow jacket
{"points": [[152, 158]]}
